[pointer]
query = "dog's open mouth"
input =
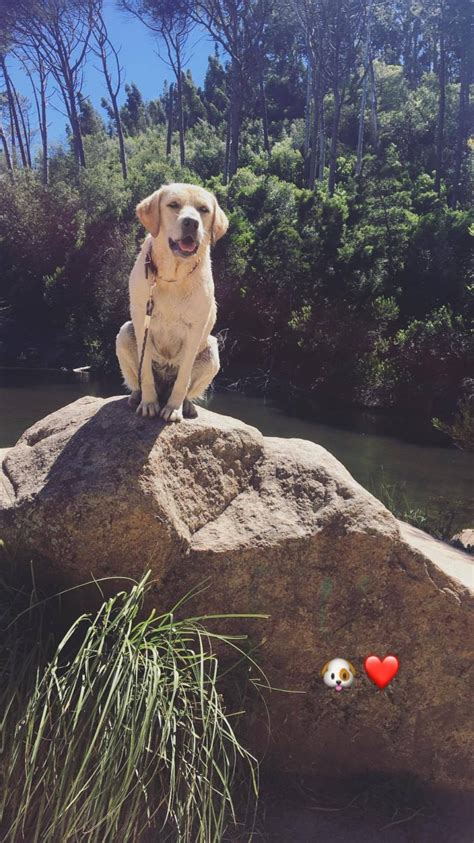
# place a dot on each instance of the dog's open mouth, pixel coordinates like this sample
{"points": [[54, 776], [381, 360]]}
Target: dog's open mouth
{"points": [[185, 247]]}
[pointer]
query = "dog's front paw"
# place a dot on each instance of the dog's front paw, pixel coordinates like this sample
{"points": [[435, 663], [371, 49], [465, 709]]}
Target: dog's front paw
{"points": [[172, 414], [148, 408]]}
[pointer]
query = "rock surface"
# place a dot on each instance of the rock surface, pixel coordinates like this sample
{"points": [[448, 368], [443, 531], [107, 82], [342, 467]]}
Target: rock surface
{"points": [[279, 527]]}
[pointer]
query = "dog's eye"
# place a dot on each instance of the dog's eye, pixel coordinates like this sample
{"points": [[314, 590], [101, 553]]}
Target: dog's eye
{"points": [[344, 675], [173, 205], [332, 675], [203, 210]]}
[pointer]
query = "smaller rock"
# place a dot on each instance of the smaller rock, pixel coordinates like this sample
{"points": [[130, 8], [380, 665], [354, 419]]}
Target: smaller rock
{"points": [[464, 540]]}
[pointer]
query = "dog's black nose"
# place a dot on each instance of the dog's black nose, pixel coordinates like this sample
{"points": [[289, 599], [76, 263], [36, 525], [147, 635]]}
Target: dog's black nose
{"points": [[338, 681], [189, 224]]}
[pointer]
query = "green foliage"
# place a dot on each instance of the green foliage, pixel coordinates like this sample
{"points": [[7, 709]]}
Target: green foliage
{"points": [[135, 117], [461, 431], [436, 521]]}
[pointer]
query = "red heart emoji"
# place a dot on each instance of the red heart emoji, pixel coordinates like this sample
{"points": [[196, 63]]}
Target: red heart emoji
{"points": [[381, 672]]}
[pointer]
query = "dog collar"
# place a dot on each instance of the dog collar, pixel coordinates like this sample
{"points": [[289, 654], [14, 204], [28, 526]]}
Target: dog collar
{"points": [[151, 266]]}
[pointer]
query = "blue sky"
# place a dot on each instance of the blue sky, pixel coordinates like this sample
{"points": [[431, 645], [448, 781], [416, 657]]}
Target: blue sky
{"points": [[138, 57]]}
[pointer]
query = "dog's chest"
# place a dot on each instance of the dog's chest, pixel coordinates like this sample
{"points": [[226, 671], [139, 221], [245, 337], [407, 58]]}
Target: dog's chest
{"points": [[168, 333]]}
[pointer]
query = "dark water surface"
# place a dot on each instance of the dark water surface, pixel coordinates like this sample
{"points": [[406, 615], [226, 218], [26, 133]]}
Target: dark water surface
{"points": [[437, 480]]}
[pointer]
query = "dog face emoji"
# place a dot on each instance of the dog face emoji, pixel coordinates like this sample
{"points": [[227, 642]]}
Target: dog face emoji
{"points": [[338, 674]]}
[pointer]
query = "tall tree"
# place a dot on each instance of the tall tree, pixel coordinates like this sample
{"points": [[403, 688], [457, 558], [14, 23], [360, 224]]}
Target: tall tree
{"points": [[343, 22], [169, 130], [109, 57], [365, 82], [464, 47], [133, 112], [33, 64], [333, 30], [61, 31], [172, 24], [6, 151], [442, 78], [239, 26], [13, 106]]}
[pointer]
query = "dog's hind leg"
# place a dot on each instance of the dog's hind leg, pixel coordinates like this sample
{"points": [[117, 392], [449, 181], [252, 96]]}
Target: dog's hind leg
{"points": [[126, 347], [206, 367]]}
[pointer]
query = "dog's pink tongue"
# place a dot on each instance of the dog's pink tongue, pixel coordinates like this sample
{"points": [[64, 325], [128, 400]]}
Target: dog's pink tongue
{"points": [[187, 245], [338, 687]]}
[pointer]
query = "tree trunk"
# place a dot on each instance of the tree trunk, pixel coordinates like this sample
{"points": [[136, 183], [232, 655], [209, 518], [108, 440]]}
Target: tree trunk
{"points": [[235, 116], [121, 139], [179, 81], [322, 140], [76, 131], [309, 96], [169, 133], [44, 124], [373, 106], [415, 62], [13, 112], [118, 119], [363, 99], [263, 108], [462, 131], [227, 148], [26, 134], [334, 140], [68, 91], [6, 150], [40, 103], [441, 110], [313, 158], [68, 95]]}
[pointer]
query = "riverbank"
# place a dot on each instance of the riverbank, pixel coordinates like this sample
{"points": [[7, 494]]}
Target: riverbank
{"points": [[293, 400], [426, 483]]}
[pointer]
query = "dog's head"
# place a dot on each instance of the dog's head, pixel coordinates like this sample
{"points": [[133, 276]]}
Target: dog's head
{"points": [[338, 674], [185, 217]]}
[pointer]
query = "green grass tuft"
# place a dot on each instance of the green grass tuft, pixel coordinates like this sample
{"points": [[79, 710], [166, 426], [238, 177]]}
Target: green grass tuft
{"points": [[122, 733]]}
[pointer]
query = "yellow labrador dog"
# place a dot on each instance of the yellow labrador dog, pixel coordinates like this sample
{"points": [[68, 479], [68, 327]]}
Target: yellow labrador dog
{"points": [[180, 357]]}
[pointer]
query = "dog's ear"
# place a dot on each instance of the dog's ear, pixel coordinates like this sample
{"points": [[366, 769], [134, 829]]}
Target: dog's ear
{"points": [[148, 212], [354, 671], [220, 223], [324, 669]]}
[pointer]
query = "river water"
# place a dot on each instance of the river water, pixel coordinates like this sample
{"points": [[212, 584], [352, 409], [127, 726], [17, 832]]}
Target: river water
{"points": [[432, 479]]}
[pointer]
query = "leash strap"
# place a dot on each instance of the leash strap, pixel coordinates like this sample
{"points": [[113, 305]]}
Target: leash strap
{"points": [[149, 264]]}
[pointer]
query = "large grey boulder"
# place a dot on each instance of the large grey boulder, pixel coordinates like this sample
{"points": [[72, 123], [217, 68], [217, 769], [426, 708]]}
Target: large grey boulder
{"points": [[280, 527]]}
